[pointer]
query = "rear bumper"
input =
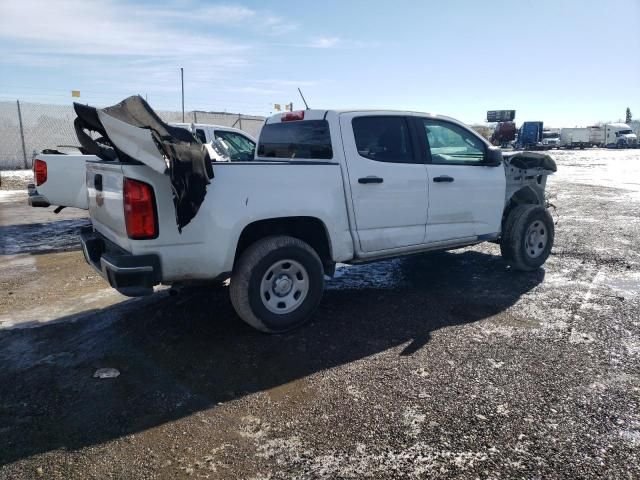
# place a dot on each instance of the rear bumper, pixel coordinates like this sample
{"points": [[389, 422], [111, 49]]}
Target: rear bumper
{"points": [[131, 275], [35, 199]]}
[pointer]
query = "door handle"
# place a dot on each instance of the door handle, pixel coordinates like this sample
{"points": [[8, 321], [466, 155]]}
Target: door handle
{"points": [[97, 182], [370, 179], [443, 178]]}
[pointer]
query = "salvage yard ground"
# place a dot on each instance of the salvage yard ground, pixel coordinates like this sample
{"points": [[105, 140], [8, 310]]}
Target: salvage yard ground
{"points": [[446, 365]]}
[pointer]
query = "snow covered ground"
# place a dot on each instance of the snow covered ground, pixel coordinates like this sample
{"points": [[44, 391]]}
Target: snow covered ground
{"points": [[15, 179]]}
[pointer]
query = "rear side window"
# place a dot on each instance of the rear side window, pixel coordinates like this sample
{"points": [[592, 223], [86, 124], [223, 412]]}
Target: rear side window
{"points": [[385, 139], [291, 140]]}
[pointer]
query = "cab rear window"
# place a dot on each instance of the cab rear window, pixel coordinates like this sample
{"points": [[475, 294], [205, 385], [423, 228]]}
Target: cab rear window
{"points": [[292, 140]]}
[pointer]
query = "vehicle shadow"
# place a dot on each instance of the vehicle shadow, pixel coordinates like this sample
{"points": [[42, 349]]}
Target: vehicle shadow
{"points": [[184, 354]]}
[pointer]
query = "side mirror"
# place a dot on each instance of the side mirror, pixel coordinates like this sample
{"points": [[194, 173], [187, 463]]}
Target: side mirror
{"points": [[493, 158]]}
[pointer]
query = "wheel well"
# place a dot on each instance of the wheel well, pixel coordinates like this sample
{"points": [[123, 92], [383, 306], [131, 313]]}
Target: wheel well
{"points": [[524, 196], [308, 229]]}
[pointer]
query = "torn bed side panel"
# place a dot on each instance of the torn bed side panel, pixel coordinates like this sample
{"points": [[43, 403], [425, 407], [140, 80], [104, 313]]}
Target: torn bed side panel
{"points": [[137, 143], [526, 174], [132, 131]]}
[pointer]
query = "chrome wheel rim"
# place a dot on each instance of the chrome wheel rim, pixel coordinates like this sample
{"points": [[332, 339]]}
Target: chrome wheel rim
{"points": [[284, 286], [535, 240]]}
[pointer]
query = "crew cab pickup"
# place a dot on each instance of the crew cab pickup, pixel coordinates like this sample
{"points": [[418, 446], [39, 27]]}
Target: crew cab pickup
{"points": [[324, 187]]}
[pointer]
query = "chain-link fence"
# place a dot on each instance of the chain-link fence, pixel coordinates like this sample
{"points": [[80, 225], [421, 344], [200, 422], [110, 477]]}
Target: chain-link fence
{"points": [[28, 128]]}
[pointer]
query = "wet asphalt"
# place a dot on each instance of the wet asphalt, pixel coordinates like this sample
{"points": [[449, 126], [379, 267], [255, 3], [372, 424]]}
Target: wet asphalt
{"points": [[447, 365]]}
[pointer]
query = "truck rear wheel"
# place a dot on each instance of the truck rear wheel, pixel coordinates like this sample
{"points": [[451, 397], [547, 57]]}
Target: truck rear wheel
{"points": [[527, 237], [277, 284]]}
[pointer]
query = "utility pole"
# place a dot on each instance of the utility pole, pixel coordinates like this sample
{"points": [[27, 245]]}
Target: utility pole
{"points": [[182, 82], [24, 150]]}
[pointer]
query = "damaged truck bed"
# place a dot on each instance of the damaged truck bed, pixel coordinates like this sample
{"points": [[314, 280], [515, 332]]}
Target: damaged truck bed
{"points": [[163, 148]]}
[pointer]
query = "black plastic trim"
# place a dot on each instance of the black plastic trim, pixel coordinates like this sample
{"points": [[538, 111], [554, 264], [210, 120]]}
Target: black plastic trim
{"points": [[276, 162], [131, 275]]}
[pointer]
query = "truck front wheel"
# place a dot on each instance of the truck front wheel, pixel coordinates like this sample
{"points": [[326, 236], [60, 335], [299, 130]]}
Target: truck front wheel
{"points": [[277, 284], [527, 237]]}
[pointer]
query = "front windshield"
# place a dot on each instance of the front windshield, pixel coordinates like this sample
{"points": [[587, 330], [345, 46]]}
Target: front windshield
{"points": [[624, 132], [550, 135]]}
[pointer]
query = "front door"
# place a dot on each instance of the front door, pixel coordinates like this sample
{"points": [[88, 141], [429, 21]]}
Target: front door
{"points": [[388, 181], [466, 196]]}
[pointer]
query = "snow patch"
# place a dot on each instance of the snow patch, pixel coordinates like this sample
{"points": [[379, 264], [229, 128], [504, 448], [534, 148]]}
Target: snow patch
{"points": [[10, 196]]}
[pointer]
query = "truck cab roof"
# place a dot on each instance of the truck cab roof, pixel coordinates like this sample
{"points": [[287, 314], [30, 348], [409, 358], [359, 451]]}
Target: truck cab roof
{"points": [[322, 114]]}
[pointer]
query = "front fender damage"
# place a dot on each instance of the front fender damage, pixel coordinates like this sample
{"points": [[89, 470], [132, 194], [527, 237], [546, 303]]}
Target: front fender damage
{"points": [[526, 177]]}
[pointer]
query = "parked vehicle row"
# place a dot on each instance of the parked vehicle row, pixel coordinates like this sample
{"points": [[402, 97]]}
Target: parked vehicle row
{"points": [[610, 135], [532, 136]]}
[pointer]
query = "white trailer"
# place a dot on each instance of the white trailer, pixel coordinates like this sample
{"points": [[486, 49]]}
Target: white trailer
{"points": [[596, 135], [574, 138]]}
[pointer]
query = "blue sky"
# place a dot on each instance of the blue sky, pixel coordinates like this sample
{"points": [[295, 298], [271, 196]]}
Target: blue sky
{"points": [[564, 62]]}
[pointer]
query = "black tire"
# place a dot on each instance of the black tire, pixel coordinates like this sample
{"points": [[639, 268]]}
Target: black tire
{"points": [[251, 270], [523, 224]]}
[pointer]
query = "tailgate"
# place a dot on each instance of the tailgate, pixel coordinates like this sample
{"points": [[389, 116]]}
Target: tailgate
{"points": [[60, 181], [104, 183]]}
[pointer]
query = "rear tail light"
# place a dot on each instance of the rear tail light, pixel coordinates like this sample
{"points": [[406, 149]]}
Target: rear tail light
{"points": [[290, 116], [140, 210], [40, 171]]}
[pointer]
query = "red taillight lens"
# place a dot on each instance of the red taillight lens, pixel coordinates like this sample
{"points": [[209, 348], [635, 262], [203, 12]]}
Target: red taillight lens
{"points": [[139, 210], [290, 116], [40, 171]]}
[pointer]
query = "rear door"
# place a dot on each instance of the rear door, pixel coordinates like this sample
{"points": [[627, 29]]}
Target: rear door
{"points": [[60, 180], [466, 196], [388, 180]]}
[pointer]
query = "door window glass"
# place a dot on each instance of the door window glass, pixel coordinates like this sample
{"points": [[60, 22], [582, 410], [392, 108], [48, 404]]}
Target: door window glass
{"points": [[450, 143], [383, 138], [241, 149], [201, 136]]}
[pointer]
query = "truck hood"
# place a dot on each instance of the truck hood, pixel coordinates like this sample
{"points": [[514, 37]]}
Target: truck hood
{"points": [[131, 131]]}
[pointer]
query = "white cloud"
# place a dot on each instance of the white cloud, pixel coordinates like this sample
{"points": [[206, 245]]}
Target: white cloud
{"points": [[103, 27], [111, 48], [324, 42]]}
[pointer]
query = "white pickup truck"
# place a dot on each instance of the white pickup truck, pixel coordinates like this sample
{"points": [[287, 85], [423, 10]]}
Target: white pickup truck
{"points": [[324, 187]]}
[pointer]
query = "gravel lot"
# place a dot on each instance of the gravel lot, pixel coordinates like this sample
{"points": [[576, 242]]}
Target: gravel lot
{"points": [[435, 366]]}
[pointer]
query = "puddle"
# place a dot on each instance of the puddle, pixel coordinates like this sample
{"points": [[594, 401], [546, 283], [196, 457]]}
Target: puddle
{"points": [[41, 237]]}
